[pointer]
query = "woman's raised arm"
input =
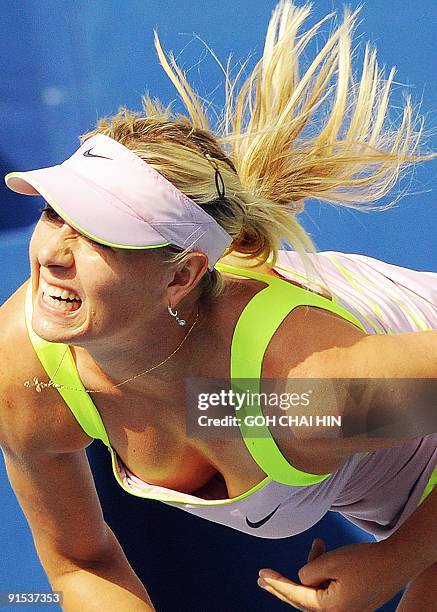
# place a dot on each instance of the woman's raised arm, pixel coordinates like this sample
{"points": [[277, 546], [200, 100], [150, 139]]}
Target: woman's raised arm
{"points": [[383, 386]]}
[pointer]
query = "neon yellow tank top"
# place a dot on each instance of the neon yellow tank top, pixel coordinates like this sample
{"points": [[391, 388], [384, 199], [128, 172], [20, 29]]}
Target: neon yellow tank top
{"points": [[255, 327]]}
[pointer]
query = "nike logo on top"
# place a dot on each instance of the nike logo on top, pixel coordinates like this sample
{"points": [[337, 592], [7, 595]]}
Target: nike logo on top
{"points": [[88, 153], [261, 522]]}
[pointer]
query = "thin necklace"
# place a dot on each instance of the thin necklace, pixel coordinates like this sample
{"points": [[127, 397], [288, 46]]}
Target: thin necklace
{"points": [[39, 385]]}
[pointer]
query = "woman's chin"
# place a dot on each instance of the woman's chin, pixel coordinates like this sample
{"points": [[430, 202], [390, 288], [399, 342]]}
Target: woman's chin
{"points": [[50, 331]]}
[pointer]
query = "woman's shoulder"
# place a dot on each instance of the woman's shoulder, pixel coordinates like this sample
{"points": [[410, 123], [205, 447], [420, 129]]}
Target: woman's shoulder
{"points": [[307, 330], [29, 419], [16, 356], [310, 344]]}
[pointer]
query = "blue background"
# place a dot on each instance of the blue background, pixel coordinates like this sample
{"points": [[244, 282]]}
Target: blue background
{"points": [[66, 63]]}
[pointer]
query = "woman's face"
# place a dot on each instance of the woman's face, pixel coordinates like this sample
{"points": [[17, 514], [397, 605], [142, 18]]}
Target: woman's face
{"points": [[84, 291]]}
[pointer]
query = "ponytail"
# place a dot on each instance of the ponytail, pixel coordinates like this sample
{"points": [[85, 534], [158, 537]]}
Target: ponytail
{"points": [[287, 135]]}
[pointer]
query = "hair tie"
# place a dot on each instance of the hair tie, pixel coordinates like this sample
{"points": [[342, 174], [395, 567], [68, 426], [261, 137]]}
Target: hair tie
{"points": [[219, 182]]}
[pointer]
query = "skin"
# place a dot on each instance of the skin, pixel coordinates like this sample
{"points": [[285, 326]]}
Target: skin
{"points": [[365, 576], [97, 273], [147, 413], [111, 281]]}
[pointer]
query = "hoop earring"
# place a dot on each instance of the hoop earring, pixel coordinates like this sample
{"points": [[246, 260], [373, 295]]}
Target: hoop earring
{"points": [[175, 314]]}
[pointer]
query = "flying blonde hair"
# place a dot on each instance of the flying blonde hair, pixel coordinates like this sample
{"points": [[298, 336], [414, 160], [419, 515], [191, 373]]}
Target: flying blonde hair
{"points": [[271, 151]]}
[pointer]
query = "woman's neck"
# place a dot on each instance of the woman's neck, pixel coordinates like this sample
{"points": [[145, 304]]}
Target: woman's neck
{"points": [[163, 347]]}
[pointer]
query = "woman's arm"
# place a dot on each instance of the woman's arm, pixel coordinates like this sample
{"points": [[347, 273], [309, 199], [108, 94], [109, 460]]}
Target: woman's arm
{"points": [[365, 576], [391, 391], [383, 386], [421, 593], [47, 466], [108, 584], [416, 539], [403, 355], [78, 551]]}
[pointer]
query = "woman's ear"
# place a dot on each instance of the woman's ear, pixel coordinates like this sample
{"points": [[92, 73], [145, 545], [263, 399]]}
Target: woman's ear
{"points": [[186, 276]]}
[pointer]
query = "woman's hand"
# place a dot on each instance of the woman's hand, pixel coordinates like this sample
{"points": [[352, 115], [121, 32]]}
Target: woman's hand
{"points": [[359, 577]]}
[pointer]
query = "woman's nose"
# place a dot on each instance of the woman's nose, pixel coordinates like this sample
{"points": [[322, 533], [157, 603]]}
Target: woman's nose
{"points": [[57, 248]]}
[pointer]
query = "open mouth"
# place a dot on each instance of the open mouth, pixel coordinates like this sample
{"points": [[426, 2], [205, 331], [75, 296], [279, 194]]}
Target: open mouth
{"points": [[61, 303], [60, 299]]}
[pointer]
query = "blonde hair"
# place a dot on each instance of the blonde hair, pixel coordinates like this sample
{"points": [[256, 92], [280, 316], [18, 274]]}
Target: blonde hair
{"points": [[271, 151]]}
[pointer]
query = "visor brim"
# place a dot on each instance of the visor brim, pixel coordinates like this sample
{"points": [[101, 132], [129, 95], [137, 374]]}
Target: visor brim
{"points": [[90, 210]]}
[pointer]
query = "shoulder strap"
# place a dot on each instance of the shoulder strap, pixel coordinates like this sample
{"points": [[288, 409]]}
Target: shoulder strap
{"points": [[251, 337], [51, 355]]}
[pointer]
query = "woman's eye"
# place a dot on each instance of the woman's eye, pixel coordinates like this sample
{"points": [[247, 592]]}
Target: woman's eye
{"points": [[97, 245], [51, 214]]}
